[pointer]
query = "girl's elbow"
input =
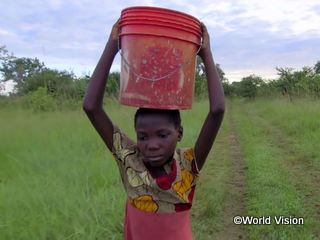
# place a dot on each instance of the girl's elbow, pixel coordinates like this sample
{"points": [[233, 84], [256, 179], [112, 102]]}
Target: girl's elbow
{"points": [[218, 110], [91, 108], [88, 107], [85, 108]]}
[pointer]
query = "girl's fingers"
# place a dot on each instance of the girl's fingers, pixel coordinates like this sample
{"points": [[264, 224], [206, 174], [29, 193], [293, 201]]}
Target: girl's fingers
{"points": [[204, 28], [115, 30]]}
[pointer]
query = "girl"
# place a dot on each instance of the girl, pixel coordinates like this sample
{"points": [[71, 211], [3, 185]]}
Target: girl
{"points": [[158, 178]]}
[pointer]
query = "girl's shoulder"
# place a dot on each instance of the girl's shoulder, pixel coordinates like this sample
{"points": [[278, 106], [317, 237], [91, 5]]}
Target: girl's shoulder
{"points": [[186, 158], [122, 145]]}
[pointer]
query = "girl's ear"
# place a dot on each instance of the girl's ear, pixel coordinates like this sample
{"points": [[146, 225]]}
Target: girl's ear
{"points": [[180, 133]]}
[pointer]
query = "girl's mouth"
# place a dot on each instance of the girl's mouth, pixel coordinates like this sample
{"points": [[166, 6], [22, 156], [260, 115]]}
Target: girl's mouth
{"points": [[155, 158]]}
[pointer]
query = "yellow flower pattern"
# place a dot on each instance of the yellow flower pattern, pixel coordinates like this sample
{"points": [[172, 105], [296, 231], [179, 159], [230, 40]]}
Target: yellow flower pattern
{"points": [[119, 150], [182, 187], [145, 203], [137, 179], [133, 178], [188, 155]]}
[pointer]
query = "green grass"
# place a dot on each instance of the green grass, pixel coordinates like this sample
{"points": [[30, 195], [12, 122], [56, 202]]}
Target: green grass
{"points": [[271, 185], [299, 120], [58, 180], [212, 189]]}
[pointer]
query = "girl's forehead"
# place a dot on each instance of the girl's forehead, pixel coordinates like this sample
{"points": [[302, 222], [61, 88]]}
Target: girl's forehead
{"points": [[153, 121]]}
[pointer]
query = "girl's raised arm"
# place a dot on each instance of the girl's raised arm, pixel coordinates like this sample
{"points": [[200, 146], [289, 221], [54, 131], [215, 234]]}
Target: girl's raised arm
{"points": [[93, 101], [214, 118]]}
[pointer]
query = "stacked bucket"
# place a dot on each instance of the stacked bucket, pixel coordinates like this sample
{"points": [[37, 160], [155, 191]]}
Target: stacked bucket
{"points": [[158, 57]]}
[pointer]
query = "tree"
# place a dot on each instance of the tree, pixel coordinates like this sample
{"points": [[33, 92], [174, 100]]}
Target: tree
{"points": [[248, 86], [287, 81], [221, 73], [113, 85], [302, 81], [201, 88], [57, 83], [314, 85], [227, 88], [200, 83], [316, 68], [4, 53], [4, 58], [200, 69], [19, 69]]}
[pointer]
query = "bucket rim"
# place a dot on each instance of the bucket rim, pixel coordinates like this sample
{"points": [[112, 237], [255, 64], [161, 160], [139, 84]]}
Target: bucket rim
{"points": [[163, 23], [189, 31], [198, 44], [189, 22], [160, 9], [172, 17], [169, 24], [159, 14]]}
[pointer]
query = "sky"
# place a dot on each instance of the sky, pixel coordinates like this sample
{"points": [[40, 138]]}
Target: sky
{"points": [[247, 36]]}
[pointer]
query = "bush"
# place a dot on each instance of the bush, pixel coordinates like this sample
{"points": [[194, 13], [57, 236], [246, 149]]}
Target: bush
{"points": [[200, 87], [40, 100]]}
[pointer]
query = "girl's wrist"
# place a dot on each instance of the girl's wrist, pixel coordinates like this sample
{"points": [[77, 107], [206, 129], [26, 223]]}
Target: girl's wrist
{"points": [[112, 46], [206, 54]]}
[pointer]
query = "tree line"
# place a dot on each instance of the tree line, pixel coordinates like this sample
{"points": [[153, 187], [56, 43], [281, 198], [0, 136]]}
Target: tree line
{"points": [[290, 83], [43, 88]]}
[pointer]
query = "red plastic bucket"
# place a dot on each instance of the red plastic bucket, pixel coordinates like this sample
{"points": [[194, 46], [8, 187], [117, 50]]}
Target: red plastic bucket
{"points": [[158, 57]]}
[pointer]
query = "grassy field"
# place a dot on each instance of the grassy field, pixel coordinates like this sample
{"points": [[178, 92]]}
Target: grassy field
{"points": [[58, 181]]}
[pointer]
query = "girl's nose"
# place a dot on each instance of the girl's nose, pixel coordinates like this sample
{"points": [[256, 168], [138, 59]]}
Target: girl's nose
{"points": [[153, 145]]}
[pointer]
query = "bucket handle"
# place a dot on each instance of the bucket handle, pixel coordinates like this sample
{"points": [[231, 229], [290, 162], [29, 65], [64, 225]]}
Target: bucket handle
{"points": [[180, 66]]}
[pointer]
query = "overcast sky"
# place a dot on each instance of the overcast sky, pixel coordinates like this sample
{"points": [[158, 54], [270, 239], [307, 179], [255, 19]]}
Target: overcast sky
{"points": [[247, 36]]}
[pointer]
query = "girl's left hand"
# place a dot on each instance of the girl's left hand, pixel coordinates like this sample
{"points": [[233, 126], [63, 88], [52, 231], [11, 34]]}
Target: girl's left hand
{"points": [[205, 45], [114, 35]]}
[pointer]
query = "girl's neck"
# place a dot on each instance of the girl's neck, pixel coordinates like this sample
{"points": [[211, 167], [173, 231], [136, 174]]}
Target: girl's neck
{"points": [[158, 171]]}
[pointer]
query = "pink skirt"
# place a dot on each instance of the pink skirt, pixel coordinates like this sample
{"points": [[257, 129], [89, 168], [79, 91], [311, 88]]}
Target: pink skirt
{"points": [[140, 225]]}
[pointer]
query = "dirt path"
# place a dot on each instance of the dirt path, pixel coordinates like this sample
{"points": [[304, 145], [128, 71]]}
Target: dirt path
{"points": [[235, 201], [305, 176]]}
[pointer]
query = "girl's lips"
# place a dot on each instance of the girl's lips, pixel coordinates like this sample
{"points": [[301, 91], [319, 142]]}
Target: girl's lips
{"points": [[155, 158]]}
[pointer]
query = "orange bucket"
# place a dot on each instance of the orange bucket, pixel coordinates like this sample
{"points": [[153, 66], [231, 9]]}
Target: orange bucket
{"points": [[158, 57]]}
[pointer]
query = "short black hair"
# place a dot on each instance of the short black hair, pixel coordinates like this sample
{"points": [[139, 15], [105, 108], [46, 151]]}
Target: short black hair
{"points": [[173, 115]]}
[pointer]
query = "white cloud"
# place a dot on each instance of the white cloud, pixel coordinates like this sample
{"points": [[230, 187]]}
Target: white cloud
{"points": [[246, 35], [7, 87], [6, 33], [297, 16], [237, 75], [55, 4]]}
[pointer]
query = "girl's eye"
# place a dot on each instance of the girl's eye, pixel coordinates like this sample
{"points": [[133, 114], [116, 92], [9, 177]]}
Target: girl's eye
{"points": [[141, 138], [163, 135]]}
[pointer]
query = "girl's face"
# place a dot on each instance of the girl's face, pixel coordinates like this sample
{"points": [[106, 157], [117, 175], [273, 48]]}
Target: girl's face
{"points": [[157, 138]]}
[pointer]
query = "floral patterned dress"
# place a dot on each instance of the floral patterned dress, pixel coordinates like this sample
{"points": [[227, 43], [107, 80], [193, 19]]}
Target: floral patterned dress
{"points": [[156, 203]]}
